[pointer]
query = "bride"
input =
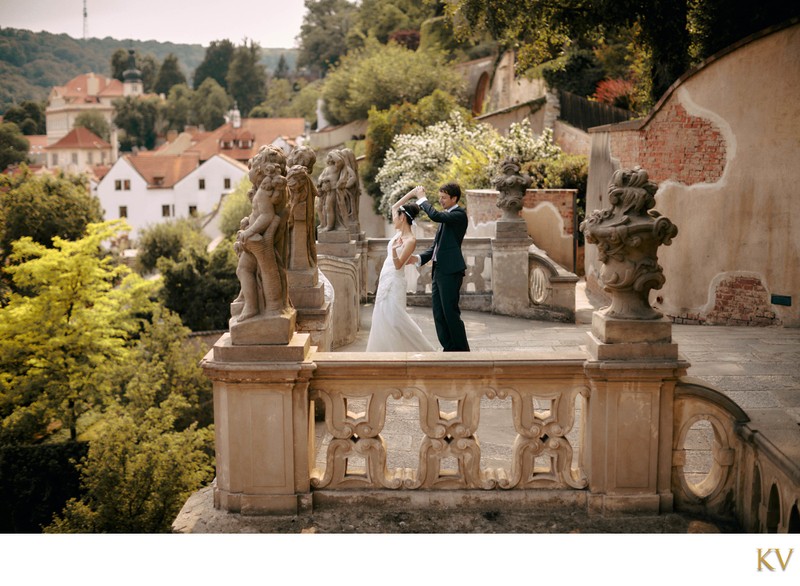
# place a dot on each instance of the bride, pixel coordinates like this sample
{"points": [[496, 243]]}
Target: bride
{"points": [[392, 329]]}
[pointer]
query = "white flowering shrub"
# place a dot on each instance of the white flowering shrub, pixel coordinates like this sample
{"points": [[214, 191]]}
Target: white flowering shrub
{"points": [[456, 150]]}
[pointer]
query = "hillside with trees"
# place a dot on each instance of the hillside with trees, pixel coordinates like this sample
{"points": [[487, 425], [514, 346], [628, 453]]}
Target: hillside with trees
{"points": [[33, 62]]}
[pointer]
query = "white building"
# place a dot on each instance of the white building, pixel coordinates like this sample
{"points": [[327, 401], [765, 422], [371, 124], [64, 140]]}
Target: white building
{"points": [[148, 189], [78, 151]]}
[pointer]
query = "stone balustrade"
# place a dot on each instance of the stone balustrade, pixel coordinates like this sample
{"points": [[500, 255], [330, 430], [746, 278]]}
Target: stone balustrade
{"points": [[535, 407]]}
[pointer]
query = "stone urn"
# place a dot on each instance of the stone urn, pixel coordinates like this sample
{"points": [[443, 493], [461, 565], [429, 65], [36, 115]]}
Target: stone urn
{"points": [[512, 185], [627, 235]]}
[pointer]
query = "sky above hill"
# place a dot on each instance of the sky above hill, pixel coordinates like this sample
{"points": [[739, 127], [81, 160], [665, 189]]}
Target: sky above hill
{"points": [[270, 23]]}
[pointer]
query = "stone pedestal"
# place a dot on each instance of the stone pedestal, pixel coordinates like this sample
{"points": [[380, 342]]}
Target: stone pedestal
{"points": [[627, 339], [261, 425], [337, 243], [340, 259], [275, 328], [632, 376], [510, 294], [314, 311]]}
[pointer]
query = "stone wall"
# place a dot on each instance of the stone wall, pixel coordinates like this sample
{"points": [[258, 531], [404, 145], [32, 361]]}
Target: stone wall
{"points": [[722, 145], [549, 214]]}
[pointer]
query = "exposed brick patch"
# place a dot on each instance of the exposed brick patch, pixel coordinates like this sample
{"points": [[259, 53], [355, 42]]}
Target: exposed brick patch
{"points": [[675, 146], [739, 301]]}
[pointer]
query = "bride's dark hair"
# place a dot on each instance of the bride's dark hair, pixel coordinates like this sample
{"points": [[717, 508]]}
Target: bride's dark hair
{"points": [[409, 211]]}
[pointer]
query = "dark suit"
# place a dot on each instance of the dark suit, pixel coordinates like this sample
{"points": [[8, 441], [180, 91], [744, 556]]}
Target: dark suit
{"points": [[448, 274]]}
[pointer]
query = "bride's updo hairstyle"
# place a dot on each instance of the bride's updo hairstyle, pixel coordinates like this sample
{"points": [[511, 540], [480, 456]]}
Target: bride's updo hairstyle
{"points": [[409, 212]]}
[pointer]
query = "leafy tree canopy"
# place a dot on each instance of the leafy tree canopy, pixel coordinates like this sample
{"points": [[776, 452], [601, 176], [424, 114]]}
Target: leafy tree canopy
{"points": [[140, 120], [167, 240], [178, 109], [43, 207], [323, 34], [59, 339], [169, 74], [210, 103], [29, 116], [672, 32], [382, 75], [247, 78], [215, 64], [14, 146], [405, 118]]}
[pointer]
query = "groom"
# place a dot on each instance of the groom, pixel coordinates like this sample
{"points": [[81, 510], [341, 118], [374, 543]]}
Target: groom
{"points": [[448, 266]]}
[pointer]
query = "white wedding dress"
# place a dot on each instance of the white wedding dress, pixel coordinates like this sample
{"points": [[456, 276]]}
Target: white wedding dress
{"points": [[392, 329]]}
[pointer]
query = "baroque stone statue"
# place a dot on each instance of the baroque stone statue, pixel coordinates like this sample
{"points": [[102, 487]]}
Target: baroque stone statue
{"points": [[627, 235], [339, 191], [512, 185], [303, 193], [262, 242]]}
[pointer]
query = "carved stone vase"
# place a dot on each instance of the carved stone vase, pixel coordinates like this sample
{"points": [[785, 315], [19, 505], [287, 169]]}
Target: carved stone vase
{"points": [[512, 185], [627, 235]]}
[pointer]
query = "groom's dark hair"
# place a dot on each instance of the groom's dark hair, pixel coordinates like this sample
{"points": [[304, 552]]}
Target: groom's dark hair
{"points": [[452, 189]]}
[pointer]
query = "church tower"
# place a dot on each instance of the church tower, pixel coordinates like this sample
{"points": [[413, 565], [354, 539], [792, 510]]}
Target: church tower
{"points": [[132, 78]]}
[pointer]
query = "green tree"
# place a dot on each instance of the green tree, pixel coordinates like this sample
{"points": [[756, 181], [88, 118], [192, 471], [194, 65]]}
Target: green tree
{"points": [[672, 33], [323, 34], [282, 70], [139, 118], [149, 67], [44, 207], [137, 474], [169, 74], [95, 122], [167, 240], [304, 101], [216, 63], [119, 63], [382, 75], [210, 103], [247, 78], [405, 118], [379, 19], [178, 109], [164, 365], [278, 102], [59, 339], [29, 116], [200, 286], [14, 146]]}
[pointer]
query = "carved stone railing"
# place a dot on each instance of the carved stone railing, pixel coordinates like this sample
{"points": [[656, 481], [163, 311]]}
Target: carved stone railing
{"points": [[542, 403], [611, 436], [723, 468]]}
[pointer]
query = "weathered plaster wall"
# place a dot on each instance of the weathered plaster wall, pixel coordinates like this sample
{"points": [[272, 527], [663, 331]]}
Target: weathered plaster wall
{"points": [[723, 145]]}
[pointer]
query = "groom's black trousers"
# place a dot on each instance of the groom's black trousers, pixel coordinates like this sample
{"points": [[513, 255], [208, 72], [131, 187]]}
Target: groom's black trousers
{"points": [[446, 290]]}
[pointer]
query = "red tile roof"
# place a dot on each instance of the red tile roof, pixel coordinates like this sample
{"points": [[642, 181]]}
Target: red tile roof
{"points": [[78, 87], [164, 171], [260, 130], [80, 138]]}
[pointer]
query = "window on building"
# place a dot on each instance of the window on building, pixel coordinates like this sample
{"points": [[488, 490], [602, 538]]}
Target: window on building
{"points": [[74, 158], [201, 184], [158, 180], [127, 184], [123, 211], [90, 158], [55, 159], [193, 211], [118, 185], [227, 182], [165, 211]]}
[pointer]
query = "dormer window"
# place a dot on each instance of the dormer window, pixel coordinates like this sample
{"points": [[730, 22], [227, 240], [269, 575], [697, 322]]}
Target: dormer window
{"points": [[158, 181]]}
